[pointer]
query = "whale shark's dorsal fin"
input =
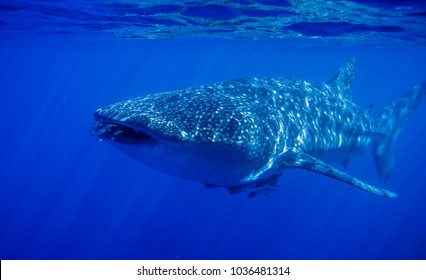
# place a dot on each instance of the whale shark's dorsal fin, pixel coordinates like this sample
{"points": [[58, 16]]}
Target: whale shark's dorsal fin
{"points": [[368, 109], [302, 160], [342, 80]]}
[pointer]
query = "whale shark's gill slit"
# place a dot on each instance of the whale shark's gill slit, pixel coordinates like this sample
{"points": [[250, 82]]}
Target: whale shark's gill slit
{"points": [[120, 133]]}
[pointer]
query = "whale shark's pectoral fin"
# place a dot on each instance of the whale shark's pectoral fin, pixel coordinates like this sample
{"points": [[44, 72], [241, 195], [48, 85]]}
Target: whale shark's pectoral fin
{"points": [[302, 160]]}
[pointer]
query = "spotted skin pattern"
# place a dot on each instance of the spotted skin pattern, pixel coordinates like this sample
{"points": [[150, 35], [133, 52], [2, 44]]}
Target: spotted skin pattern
{"points": [[273, 123]]}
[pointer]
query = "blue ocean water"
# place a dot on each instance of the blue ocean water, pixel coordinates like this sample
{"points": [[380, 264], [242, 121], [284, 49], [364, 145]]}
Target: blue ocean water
{"points": [[65, 196]]}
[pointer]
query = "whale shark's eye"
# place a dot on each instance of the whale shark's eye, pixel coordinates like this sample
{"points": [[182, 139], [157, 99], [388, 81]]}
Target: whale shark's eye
{"points": [[119, 133]]}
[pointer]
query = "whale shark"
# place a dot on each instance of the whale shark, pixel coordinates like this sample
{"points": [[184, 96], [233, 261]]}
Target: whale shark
{"points": [[242, 134]]}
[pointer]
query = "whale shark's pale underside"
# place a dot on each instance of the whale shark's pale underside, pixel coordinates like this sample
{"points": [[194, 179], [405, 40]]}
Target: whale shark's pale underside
{"points": [[242, 134]]}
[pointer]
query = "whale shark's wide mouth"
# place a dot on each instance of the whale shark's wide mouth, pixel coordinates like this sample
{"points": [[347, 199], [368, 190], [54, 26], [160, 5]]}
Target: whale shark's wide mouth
{"points": [[121, 133]]}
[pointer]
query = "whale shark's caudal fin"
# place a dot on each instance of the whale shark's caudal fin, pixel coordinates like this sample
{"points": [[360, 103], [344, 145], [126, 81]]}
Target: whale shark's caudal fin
{"points": [[390, 123]]}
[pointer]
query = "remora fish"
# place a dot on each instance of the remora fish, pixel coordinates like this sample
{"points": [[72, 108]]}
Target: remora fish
{"points": [[242, 134]]}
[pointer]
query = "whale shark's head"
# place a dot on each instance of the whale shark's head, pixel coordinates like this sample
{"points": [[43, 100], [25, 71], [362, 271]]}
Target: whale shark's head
{"points": [[138, 129], [122, 123], [182, 133]]}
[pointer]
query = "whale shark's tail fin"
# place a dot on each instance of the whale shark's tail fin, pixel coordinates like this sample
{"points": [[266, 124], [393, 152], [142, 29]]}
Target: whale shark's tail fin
{"points": [[389, 124]]}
